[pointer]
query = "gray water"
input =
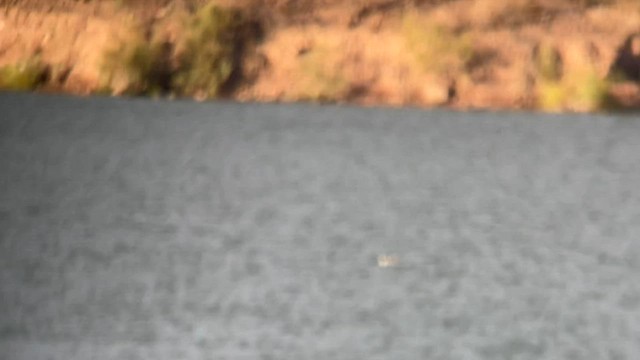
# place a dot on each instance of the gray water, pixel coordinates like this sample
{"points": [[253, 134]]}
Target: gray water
{"points": [[159, 230]]}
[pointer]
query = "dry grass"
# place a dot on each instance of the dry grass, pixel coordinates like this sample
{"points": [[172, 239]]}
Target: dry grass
{"points": [[322, 78], [463, 53], [437, 49]]}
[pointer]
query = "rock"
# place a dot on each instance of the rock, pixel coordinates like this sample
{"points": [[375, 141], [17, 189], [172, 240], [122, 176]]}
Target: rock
{"points": [[435, 92], [627, 60], [626, 94]]}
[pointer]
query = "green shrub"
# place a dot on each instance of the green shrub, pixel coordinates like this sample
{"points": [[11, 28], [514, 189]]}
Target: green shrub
{"points": [[212, 51], [206, 60], [26, 75], [580, 90], [577, 87], [589, 91], [135, 66], [551, 95]]}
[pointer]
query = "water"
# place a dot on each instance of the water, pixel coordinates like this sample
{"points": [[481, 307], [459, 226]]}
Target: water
{"points": [[156, 230]]}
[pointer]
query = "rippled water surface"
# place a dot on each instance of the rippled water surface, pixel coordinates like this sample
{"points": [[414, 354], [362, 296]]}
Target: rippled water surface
{"points": [[156, 230]]}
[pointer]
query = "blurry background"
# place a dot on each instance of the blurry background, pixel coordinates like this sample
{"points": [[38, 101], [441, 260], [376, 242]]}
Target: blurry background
{"points": [[554, 55]]}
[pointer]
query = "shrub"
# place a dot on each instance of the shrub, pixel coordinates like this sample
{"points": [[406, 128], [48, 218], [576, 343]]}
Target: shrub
{"points": [[551, 95], [212, 51], [25, 75], [548, 62], [579, 88], [135, 66], [588, 91], [437, 49]]}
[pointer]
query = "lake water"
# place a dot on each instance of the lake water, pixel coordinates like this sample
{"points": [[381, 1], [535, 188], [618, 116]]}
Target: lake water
{"points": [[135, 229]]}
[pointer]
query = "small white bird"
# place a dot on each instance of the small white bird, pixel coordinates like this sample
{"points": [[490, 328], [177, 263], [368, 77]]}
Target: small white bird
{"points": [[388, 260]]}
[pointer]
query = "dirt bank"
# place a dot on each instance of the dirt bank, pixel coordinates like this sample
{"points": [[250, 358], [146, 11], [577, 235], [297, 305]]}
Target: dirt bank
{"points": [[534, 54]]}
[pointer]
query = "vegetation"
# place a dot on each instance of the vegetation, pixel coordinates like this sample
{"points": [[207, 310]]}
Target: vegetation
{"points": [[211, 53], [23, 76], [208, 58], [437, 49], [465, 54], [578, 88], [134, 66]]}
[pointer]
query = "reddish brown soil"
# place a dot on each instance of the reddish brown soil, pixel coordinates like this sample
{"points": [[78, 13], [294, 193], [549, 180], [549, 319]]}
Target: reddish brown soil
{"points": [[341, 51]]}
